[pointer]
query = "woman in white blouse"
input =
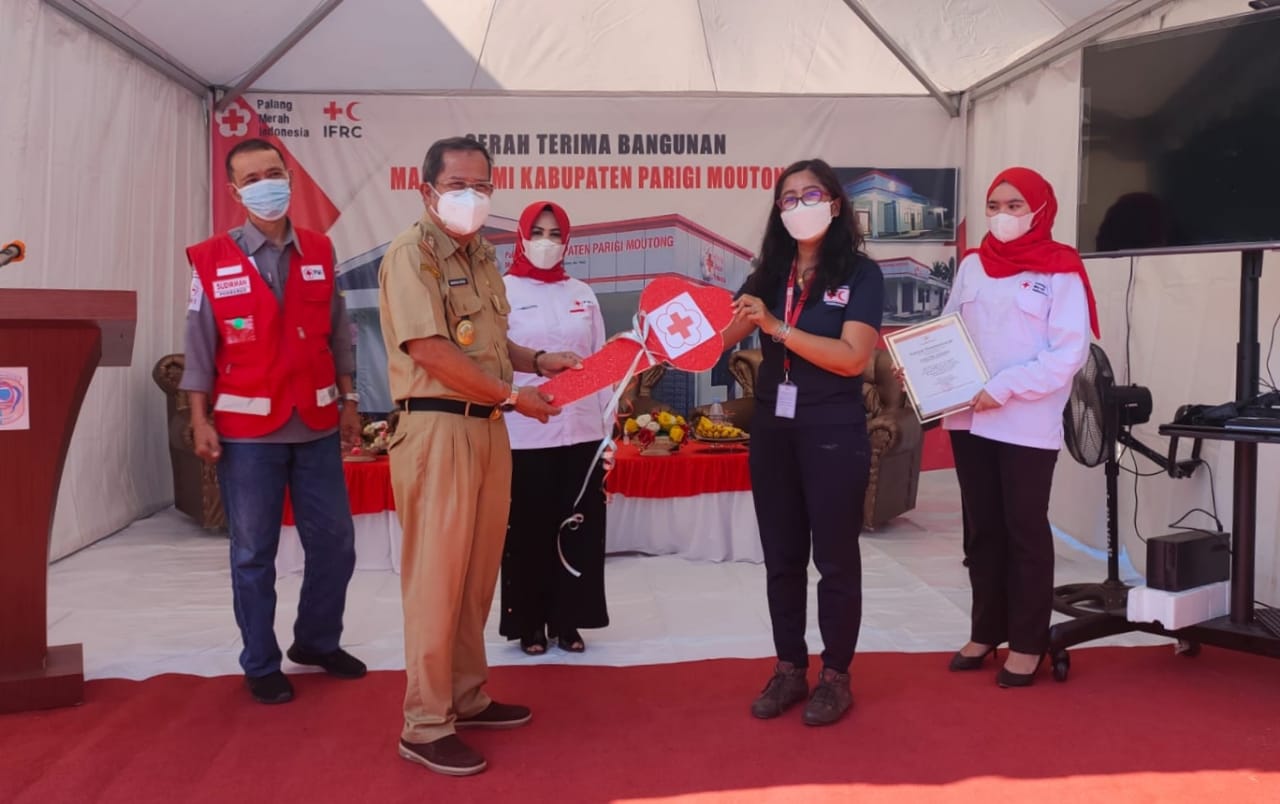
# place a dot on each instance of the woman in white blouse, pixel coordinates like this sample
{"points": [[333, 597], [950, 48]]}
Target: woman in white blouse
{"points": [[551, 312], [1026, 302]]}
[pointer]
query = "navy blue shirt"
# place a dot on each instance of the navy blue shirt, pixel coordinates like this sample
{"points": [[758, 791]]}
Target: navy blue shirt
{"points": [[821, 396]]}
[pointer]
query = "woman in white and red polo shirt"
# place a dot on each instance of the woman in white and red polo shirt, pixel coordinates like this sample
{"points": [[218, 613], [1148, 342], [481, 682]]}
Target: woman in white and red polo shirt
{"points": [[553, 312]]}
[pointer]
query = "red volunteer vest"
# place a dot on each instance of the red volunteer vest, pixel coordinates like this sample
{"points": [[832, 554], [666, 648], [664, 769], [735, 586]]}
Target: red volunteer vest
{"points": [[270, 360]]}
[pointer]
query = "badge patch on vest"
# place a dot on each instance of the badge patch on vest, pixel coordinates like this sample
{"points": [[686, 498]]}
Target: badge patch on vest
{"points": [[231, 270], [197, 294], [238, 330], [313, 273], [838, 297], [222, 288]]}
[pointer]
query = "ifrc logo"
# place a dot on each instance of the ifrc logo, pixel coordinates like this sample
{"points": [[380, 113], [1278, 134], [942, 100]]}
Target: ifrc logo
{"points": [[343, 131], [233, 121]]}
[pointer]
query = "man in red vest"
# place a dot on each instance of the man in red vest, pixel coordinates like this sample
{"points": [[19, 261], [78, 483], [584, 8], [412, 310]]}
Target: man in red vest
{"points": [[268, 340]]}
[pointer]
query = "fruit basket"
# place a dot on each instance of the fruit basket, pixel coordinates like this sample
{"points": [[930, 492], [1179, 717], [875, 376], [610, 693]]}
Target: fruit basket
{"points": [[707, 430]]}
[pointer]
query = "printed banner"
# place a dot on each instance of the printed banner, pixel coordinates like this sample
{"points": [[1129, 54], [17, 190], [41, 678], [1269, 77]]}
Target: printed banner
{"points": [[652, 185]]}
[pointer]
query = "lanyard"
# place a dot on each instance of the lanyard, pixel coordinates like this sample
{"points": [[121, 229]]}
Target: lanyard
{"points": [[789, 317]]}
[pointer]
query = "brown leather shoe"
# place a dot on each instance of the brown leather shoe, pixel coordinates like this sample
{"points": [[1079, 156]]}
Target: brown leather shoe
{"points": [[496, 716], [831, 699], [447, 755], [787, 687]]}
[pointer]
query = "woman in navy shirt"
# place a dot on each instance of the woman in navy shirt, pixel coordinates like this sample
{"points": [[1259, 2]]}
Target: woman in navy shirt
{"points": [[817, 300]]}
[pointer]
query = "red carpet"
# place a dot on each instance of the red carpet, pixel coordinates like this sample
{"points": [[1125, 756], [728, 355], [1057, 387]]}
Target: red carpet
{"points": [[1132, 725]]}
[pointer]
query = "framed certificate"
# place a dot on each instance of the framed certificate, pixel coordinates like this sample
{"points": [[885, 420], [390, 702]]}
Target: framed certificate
{"points": [[941, 367]]}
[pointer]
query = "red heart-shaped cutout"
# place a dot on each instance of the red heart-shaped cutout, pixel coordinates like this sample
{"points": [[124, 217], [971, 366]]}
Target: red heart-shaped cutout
{"points": [[685, 320]]}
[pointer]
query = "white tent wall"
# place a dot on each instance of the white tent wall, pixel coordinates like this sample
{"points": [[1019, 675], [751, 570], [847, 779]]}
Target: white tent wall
{"points": [[1182, 328], [105, 177]]}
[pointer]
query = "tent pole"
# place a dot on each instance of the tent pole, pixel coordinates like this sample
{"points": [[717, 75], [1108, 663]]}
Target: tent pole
{"points": [[278, 52], [948, 102], [118, 33], [1083, 33]]}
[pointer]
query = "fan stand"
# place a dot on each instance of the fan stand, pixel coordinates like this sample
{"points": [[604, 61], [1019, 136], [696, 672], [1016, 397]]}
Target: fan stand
{"points": [[1101, 609]]}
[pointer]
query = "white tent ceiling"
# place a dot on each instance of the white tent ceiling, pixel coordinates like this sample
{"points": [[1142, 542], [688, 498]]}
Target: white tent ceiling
{"points": [[846, 47]]}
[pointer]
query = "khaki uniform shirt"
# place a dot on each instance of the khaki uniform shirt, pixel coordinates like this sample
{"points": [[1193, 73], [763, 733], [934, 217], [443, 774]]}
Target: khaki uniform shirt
{"points": [[428, 286]]}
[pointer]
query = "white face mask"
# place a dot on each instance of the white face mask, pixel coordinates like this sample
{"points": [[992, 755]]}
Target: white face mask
{"points": [[463, 212], [268, 199], [805, 223], [1005, 227], [545, 254]]}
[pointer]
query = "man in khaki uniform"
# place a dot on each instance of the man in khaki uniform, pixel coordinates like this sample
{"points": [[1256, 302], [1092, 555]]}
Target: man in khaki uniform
{"points": [[444, 319]]}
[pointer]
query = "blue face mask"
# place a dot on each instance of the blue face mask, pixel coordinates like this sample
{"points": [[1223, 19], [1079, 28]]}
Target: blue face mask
{"points": [[267, 199]]}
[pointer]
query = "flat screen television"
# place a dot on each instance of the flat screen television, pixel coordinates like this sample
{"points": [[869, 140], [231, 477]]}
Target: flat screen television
{"points": [[1180, 145]]}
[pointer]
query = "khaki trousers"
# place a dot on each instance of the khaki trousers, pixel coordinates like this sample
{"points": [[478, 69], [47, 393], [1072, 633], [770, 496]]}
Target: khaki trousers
{"points": [[451, 476]]}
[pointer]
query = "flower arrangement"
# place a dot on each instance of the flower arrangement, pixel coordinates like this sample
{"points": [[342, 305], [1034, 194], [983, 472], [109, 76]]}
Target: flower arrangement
{"points": [[648, 428], [376, 437]]}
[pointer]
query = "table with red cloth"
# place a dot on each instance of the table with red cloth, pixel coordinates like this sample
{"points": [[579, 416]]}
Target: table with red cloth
{"points": [[373, 512], [695, 502]]}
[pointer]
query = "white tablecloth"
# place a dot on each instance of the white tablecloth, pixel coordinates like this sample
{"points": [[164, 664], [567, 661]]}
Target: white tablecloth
{"points": [[707, 527]]}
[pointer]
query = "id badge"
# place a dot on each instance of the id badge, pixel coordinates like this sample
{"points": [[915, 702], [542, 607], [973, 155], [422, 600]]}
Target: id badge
{"points": [[786, 407]]}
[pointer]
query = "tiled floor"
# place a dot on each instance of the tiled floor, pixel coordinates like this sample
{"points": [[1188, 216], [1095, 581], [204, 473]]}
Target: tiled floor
{"points": [[156, 598]]}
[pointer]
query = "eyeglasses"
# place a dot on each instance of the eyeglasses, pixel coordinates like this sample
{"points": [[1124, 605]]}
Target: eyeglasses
{"points": [[481, 187], [810, 198]]}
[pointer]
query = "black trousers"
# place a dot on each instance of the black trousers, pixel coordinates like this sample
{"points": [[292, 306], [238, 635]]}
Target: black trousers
{"points": [[1005, 492], [808, 483], [537, 590]]}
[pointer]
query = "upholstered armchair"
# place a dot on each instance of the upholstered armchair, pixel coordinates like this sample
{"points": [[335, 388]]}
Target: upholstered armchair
{"points": [[638, 396], [896, 444], [195, 483], [894, 430], [744, 365]]}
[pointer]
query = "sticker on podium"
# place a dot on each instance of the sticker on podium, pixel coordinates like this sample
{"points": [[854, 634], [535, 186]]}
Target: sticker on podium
{"points": [[14, 406], [684, 319]]}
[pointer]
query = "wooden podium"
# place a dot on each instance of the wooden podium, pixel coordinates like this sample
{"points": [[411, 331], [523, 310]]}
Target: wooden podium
{"points": [[56, 338]]}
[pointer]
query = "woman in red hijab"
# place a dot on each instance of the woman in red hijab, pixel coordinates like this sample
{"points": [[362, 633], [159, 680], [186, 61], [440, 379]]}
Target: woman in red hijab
{"points": [[553, 312], [1027, 304]]}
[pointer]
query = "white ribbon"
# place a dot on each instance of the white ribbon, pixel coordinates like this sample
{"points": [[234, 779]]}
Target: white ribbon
{"points": [[638, 333]]}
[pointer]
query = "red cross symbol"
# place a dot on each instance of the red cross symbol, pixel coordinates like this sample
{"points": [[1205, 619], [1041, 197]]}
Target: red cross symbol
{"points": [[233, 118], [680, 325], [333, 110], [1026, 285]]}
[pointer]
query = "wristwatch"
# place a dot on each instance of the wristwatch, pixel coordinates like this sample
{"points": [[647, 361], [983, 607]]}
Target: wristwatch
{"points": [[510, 404], [352, 397]]}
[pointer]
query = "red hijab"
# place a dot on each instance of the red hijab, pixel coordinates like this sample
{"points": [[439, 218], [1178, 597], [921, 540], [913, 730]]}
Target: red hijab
{"points": [[1036, 250], [520, 265]]}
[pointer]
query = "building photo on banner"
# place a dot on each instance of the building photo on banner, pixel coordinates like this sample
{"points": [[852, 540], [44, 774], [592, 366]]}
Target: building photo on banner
{"points": [[653, 186]]}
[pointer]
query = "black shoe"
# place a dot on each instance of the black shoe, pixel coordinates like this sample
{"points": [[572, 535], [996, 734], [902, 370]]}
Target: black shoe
{"points": [[496, 716], [534, 644], [831, 699], [570, 640], [339, 663], [273, 688], [1006, 679], [787, 687], [448, 755], [960, 662]]}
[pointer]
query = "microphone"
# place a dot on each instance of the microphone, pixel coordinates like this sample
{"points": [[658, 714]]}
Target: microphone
{"points": [[13, 252]]}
